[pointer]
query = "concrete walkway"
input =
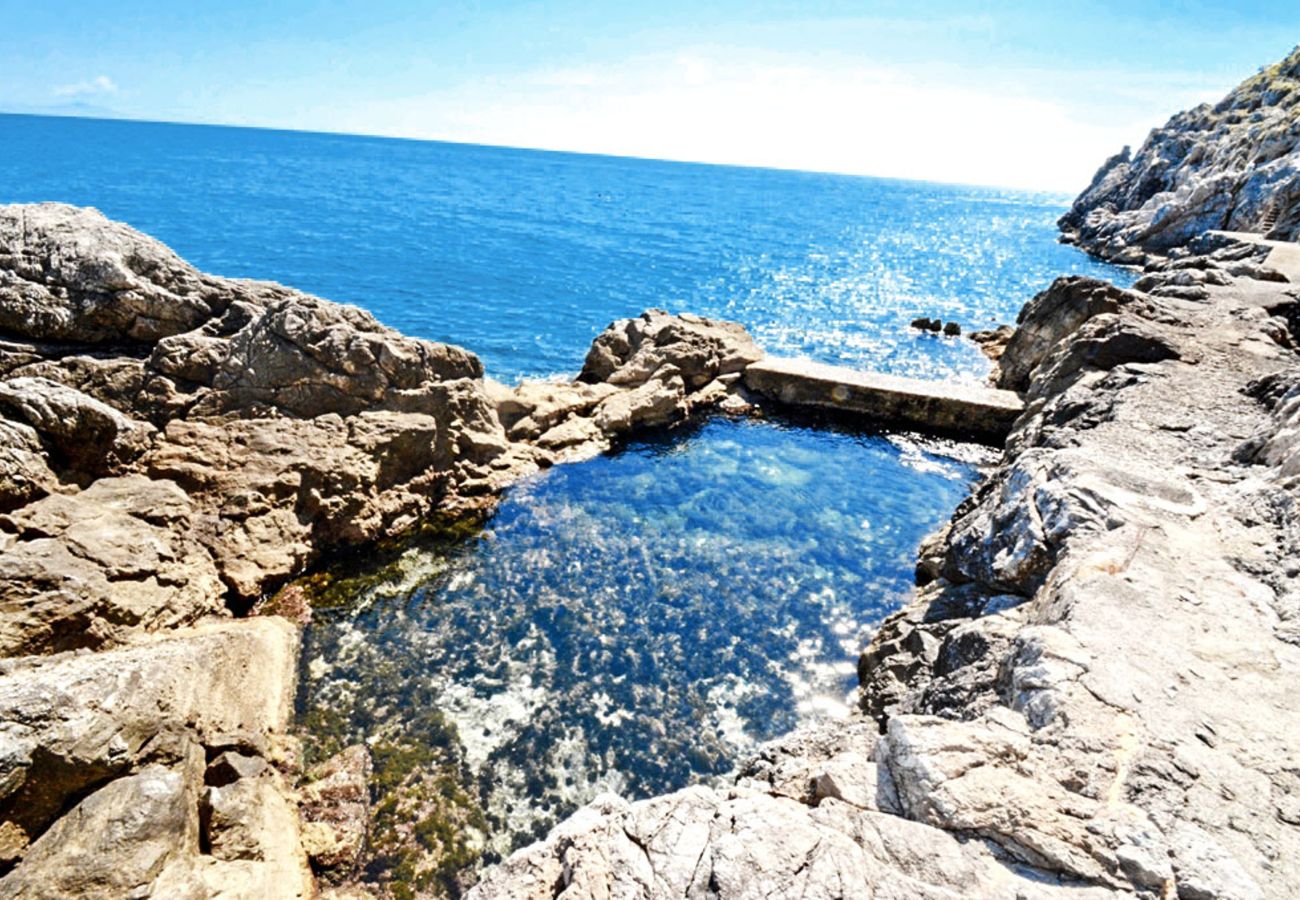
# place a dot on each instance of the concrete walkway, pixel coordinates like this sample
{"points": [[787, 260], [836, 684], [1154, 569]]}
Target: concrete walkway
{"points": [[1283, 255], [980, 413]]}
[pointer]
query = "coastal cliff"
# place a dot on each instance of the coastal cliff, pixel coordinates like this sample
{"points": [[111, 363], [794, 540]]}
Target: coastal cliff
{"points": [[1231, 166]]}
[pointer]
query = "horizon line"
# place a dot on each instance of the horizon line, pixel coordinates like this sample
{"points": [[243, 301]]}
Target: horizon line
{"points": [[113, 116]]}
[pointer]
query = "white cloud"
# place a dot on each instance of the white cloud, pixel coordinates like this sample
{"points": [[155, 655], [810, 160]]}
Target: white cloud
{"points": [[99, 86], [721, 105]]}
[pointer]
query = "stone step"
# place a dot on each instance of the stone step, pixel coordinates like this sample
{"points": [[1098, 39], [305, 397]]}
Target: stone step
{"points": [[968, 411]]}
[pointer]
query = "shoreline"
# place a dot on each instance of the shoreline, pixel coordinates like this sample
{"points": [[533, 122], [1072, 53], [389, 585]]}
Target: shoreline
{"points": [[934, 678], [1089, 694]]}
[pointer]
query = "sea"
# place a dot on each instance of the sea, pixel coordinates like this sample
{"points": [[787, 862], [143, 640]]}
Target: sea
{"points": [[643, 620], [524, 256]]}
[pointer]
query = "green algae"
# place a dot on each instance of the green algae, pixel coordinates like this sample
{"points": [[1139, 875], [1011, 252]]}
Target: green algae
{"points": [[426, 823]]}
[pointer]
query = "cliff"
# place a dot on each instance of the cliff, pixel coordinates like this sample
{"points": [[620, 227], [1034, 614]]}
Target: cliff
{"points": [[1233, 166]]}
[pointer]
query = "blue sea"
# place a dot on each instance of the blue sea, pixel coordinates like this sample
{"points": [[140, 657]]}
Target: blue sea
{"points": [[639, 621], [524, 256]]}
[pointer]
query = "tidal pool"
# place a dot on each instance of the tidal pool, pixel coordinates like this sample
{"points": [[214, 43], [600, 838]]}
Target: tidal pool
{"points": [[635, 622]]}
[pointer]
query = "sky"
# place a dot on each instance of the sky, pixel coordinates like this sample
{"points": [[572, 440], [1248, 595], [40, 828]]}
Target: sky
{"points": [[1010, 93]]}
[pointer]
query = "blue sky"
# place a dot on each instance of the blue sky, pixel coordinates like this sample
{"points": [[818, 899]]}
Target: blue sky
{"points": [[1012, 93]]}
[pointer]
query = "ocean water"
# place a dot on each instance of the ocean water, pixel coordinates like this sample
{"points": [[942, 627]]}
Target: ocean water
{"points": [[523, 256], [635, 622]]}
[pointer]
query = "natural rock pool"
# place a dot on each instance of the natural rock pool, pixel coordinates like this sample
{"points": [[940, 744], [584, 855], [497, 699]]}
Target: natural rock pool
{"points": [[634, 622]]}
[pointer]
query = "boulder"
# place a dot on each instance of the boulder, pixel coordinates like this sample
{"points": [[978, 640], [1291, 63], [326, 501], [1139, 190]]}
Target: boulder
{"points": [[71, 722], [281, 489], [629, 352], [308, 357], [25, 473], [84, 435], [1052, 315], [90, 569], [70, 274]]}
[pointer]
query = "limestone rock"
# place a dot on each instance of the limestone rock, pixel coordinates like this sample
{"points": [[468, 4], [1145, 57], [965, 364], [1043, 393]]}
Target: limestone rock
{"points": [[1234, 165], [69, 274], [135, 837], [84, 434], [653, 402], [308, 357], [745, 843], [25, 474], [282, 488], [630, 351], [1051, 315], [88, 569], [73, 721]]}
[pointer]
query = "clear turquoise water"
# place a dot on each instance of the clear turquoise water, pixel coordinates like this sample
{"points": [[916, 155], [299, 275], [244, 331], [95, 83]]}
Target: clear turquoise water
{"points": [[524, 256], [640, 620]]}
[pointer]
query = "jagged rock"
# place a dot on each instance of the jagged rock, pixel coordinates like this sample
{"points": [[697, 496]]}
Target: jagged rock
{"points": [[1051, 315], [1104, 342], [1277, 443], [993, 343], [1234, 166], [630, 351], [252, 818], [70, 274], [135, 837], [74, 721], [535, 407], [85, 435], [653, 402], [25, 473], [87, 570], [746, 843], [232, 765], [308, 357], [281, 489]]}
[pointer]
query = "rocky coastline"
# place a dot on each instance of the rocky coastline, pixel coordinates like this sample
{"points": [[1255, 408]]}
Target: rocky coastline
{"points": [[175, 447], [1088, 695]]}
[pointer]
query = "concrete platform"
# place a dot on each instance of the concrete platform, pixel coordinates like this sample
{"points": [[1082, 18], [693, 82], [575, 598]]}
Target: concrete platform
{"points": [[979, 413]]}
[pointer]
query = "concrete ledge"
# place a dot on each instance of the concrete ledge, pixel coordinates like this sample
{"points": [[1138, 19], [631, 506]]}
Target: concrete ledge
{"points": [[984, 414]]}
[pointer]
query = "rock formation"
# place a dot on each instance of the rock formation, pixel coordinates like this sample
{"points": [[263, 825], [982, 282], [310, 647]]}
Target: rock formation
{"points": [[173, 446], [1233, 166], [1088, 694]]}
